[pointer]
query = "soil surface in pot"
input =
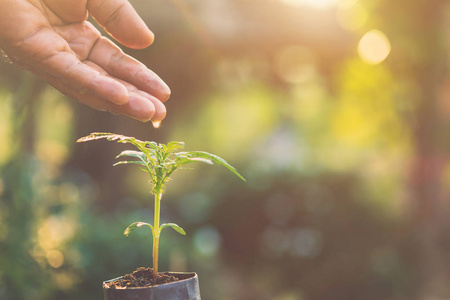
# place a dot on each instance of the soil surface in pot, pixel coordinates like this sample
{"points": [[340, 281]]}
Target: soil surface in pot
{"points": [[142, 277]]}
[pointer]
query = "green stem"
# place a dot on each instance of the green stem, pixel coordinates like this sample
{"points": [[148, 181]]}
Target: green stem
{"points": [[157, 231]]}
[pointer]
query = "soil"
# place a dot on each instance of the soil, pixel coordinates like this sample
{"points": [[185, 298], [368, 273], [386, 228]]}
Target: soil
{"points": [[142, 277]]}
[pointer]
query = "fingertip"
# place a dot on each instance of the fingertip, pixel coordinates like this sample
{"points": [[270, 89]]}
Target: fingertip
{"points": [[160, 108], [140, 108], [141, 41], [147, 39], [164, 93], [151, 83], [121, 21], [160, 114], [156, 121]]}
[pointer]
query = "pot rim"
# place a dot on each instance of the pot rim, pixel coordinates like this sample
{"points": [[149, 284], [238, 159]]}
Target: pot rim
{"points": [[193, 275]]}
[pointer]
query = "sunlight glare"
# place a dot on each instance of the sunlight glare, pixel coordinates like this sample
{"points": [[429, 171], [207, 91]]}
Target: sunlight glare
{"points": [[374, 47]]}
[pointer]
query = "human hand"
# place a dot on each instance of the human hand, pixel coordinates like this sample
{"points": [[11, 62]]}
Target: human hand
{"points": [[54, 40]]}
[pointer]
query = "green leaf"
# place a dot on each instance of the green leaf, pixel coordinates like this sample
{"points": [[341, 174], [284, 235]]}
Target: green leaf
{"points": [[156, 157], [131, 153], [187, 160], [205, 156], [152, 146], [172, 146], [136, 225], [175, 227], [125, 162], [136, 154]]}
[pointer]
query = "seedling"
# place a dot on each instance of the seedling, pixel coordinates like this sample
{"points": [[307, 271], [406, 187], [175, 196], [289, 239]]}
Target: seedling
{"points": [[159, 161]]}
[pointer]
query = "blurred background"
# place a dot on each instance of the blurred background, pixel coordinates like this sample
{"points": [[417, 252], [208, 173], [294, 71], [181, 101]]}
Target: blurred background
{"points": [[336, 112]]}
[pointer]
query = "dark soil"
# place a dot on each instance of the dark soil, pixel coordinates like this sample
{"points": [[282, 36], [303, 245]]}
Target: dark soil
{"points": [[142, 277]]}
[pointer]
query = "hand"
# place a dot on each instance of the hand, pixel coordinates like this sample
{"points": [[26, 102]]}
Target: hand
{"points": [[53, 40]]}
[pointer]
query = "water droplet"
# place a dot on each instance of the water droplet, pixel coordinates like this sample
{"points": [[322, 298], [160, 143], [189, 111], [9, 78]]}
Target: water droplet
{"points": [[156, 124]]}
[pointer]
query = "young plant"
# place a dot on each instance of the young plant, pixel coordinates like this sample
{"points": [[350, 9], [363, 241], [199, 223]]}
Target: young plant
{"points": [[159, 161]]}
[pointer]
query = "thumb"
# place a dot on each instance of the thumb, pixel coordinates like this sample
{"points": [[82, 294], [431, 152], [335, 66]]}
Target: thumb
{"points": [[122, 22]]}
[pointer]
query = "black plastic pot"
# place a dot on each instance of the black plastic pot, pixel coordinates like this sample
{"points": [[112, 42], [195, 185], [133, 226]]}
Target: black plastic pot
{"points": [[186, 288]]}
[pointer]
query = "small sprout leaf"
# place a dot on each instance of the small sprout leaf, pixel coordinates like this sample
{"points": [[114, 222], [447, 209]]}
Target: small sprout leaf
{"points": [[210, 157], [131, 153], [172, 146], [186, 160], [204, 160], [136, 225], [124, 162], [175, 227], [136, 154]]}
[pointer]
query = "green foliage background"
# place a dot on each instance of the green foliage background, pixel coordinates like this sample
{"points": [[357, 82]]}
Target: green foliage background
{"points": [[347, 163]]}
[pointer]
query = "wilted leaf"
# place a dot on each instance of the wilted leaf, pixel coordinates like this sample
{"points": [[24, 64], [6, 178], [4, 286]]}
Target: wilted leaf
{"points": [[97, 136], [113, 137], [106, 135]]}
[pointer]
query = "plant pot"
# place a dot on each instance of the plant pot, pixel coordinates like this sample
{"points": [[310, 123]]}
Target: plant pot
{"points": [[186, 288]]}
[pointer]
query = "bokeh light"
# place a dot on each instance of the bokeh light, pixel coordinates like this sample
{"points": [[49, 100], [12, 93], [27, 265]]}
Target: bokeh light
{"points": [[296, 64], [374, 47], [207, 241], [351, 15], [5, 125], [55, 258]]}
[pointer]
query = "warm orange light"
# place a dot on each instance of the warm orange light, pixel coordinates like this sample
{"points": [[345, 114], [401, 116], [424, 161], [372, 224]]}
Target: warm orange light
{"points": [[321, 4], [374, 47]]}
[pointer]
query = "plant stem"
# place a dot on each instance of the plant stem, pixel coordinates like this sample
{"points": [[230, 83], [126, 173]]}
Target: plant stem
{"points": [[157, 231]]}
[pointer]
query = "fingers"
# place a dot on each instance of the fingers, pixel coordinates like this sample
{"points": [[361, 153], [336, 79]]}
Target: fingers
{"points": [[69, 69], [140, 106], [137, 107], [87, 43], [120, 20], [116, 63], [159, 111], [48, 52]]}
